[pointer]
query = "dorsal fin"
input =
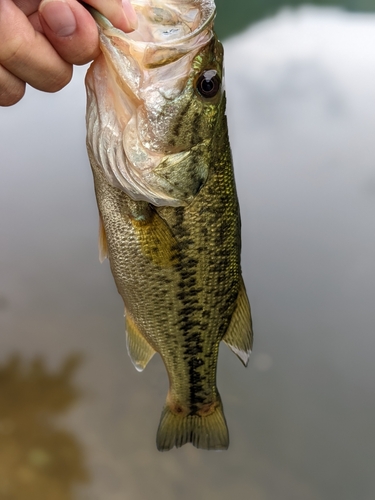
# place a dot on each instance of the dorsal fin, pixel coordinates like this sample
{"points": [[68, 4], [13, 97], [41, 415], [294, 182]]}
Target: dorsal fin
{"points": [[103, 245], [239, 336], [139, 349]]}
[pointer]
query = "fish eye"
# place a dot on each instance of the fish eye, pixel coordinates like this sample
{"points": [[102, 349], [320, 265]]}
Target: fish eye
{"points": [[208, 84]]}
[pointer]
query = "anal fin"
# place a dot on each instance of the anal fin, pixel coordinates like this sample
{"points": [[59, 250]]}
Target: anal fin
{"points": [[103, 245], [139, 349], [239, 336]]}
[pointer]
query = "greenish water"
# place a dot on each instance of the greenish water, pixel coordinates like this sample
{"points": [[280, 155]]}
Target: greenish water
{"points": [[235, 15]]}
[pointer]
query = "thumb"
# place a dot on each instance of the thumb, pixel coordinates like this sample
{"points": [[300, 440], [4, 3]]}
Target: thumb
{"points": [[70, 29]]}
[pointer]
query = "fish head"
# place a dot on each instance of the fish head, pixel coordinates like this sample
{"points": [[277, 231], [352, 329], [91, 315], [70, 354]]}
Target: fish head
{"points": [[182, 111], [155, 98]]}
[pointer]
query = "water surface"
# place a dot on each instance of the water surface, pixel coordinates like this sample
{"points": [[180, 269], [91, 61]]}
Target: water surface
{"points": [[76, 420], [238, 14]]}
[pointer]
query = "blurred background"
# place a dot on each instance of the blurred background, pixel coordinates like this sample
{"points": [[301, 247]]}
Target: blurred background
{"points": [[77, 422], [235, 15]]}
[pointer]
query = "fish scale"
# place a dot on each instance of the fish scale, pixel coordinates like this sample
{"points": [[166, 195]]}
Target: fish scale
{"points": [[176, 263]]}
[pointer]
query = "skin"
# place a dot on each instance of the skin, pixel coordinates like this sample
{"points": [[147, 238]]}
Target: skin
{"points": [[40, 41]]}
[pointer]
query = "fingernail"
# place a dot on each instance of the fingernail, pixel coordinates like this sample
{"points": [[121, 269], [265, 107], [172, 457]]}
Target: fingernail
{"points": [[58, 16], [130, 14]]}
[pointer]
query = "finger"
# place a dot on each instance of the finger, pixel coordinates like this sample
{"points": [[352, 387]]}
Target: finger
{"points": [[34, 20], [27, 6], [12, 89], [71, 30], [28, 54], [120, 13]]}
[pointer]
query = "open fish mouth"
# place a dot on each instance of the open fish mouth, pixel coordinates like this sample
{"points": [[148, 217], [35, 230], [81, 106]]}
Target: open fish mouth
{"points": [[164, 23], [134, 100]]}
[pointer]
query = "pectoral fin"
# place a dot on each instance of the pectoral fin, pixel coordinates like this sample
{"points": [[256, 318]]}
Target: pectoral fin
{"points": [[239, 336], [103, 246], [139, 349], [154, 236]]}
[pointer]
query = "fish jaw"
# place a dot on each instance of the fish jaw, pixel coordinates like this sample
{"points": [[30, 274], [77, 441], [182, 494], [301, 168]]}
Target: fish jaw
{"points": [[132, 109]]}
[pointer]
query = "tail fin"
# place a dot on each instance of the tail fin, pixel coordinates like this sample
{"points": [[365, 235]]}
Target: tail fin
{"points": [[208, 433]]}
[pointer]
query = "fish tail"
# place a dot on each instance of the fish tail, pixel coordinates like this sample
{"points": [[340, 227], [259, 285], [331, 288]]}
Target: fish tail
{"points": [[208, 432]]}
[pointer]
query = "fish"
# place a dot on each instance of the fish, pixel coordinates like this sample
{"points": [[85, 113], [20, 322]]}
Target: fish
{"points": [[158, 145]]}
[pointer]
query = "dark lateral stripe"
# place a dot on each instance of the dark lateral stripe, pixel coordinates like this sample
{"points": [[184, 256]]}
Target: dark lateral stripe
{"points": [[189, 327]]}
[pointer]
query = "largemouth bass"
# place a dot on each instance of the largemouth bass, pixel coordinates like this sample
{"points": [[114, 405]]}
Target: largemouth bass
{"points": [[158, 145]]}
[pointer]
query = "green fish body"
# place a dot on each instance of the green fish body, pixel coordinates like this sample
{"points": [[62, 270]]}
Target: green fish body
{"points": [[170, 224]]}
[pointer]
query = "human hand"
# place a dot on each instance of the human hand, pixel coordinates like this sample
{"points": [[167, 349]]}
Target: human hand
{"points": [[40, 40]]}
